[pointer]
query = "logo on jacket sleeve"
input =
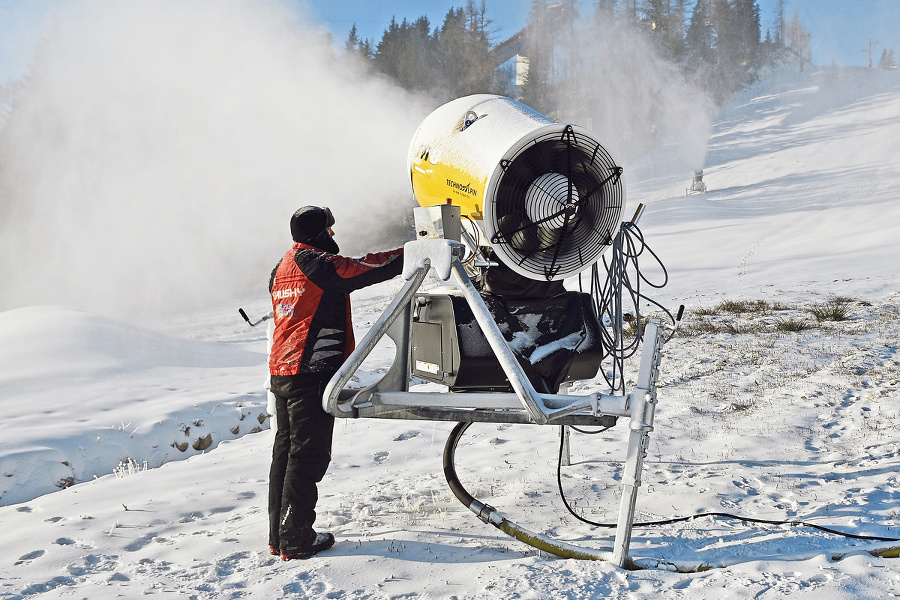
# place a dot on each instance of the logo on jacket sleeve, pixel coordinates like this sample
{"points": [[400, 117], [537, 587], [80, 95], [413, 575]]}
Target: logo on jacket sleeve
{"points": [[286, 309], [286, 293]]}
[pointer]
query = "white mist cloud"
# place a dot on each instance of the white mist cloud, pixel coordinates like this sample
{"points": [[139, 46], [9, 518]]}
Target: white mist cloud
{"points": [[639, 104], [155, 156]]}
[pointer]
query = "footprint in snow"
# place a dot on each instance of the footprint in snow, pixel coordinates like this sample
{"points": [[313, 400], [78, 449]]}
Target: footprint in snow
{"points": [[683, 584], [406, 436], [30, 556], [380, 457], [746, 486]]}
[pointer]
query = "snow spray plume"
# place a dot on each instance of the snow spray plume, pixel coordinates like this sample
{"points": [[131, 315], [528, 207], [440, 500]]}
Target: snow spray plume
{"points": [[635, 100], [158, 149]]}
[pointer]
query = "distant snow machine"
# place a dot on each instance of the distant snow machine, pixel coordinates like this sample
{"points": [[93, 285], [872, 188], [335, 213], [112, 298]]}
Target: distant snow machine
{"points": [[511, 203], [697, 185]]}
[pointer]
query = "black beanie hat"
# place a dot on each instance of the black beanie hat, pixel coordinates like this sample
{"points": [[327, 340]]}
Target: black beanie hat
{"points": [[309, 226]]}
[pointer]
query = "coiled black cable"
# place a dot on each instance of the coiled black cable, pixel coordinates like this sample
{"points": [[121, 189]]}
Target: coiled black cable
{"points": [[618, 294], [613, 296]]}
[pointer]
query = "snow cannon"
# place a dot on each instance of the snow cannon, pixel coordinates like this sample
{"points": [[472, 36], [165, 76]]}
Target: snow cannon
{"points": [[546, 197], [511, 204], [535, 201]]}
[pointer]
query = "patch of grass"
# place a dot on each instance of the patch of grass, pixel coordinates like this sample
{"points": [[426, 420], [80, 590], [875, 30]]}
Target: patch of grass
{"points": [[737, 307], [699, 327], [746, 317], [791, 324], [735, 328], [744, 306], [836, 308], [742, 405], [702, 326]]}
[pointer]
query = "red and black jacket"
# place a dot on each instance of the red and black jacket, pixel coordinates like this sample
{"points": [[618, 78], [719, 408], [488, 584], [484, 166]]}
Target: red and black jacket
{"points": [[310, 292]]}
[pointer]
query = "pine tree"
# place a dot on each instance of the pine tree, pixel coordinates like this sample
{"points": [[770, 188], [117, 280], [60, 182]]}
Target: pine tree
{"points": [[746, 32], [539, 50], [656, 17], [387, 51], [779, 23], [365, 50], [480, 70], [700, 37], [351, 46], [606, 9], [462, 51], [416, 55], [406, 54], [797, 40], [630, 9], [664, 21], [356, 47], [678, 45]]}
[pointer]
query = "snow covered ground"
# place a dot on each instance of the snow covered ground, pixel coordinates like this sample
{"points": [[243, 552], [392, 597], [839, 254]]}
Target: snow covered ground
{"points": [[758, 415]]}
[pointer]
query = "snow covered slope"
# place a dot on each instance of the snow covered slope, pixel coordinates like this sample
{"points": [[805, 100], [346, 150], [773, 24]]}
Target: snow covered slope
{"points": [[83, 394], [802, 179], [765, 411]]}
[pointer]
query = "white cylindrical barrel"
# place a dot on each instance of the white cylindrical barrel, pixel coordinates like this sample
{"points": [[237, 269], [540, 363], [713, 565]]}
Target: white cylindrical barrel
{"points": [[548, 195]]}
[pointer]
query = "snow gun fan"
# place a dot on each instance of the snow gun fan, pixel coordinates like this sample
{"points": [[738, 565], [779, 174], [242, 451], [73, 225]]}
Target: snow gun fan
{"points": [[546, 196], [556, 206]]}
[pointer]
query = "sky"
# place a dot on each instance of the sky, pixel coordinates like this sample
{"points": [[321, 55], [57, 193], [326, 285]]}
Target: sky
{"points": [[840, 28]]}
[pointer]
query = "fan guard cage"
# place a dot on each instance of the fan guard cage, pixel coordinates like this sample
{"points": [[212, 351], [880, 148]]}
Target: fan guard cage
{"points": [[554, 204]]}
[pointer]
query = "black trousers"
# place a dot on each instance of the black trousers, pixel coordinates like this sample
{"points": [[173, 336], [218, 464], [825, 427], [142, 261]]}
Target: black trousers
{"points": [[300, 457]]}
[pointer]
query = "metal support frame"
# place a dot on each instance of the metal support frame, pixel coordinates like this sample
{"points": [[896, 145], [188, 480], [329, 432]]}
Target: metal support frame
{"points": [[565, 458], [391, 398], [643, 409]]}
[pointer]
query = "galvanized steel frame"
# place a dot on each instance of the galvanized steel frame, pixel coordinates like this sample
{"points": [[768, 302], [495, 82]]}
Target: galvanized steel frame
{"points": [[391, 398]]}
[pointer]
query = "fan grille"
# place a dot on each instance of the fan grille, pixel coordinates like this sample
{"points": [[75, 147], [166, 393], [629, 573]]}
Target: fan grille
{"points": [[557, 205]]}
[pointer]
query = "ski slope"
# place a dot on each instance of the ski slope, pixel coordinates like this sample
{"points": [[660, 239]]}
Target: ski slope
{"points": [[801, 210]]}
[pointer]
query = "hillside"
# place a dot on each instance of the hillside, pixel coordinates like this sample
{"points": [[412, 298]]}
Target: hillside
{"points": [[778, 401]]}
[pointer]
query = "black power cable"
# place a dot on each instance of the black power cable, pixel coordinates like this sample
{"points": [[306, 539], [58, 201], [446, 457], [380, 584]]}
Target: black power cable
{"points": [[621, 292], [562, 495], [619, 295]]}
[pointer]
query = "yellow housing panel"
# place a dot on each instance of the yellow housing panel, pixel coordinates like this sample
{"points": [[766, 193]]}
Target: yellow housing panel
{"points": [[440, 183]]}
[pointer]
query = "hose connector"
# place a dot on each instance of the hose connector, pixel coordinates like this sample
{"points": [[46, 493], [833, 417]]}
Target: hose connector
{"points": [[486, 513]]}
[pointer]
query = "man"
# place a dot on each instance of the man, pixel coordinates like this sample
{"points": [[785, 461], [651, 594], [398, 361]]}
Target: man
{"points": [[310, 288]]}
